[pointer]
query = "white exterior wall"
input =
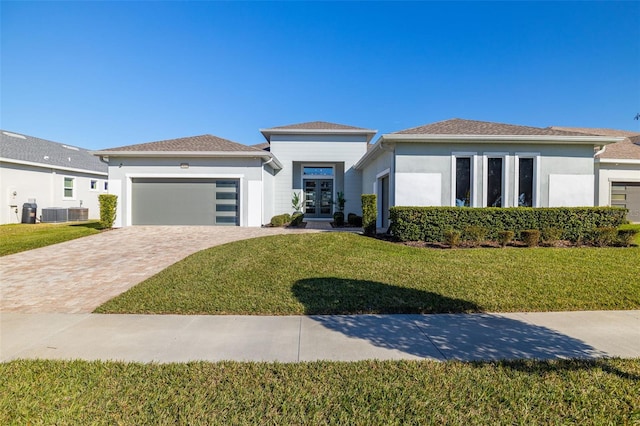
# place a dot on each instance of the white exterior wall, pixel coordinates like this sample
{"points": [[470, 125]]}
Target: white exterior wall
{"points": [[420, 165], [314, 150], [609, 171], [46, 186], [248, 170]]}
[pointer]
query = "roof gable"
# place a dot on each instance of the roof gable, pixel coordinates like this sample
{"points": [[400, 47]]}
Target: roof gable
{"points": [[202, 143], [14, 146], [317, 125]]}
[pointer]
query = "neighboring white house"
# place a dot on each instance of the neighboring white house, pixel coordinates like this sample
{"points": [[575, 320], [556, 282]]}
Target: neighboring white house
{"points": [[48, 173], [206, 180], [617, 170]]}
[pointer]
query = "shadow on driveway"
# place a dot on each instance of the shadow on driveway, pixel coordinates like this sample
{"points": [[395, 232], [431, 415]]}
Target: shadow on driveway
{"points": [[475, 336]]}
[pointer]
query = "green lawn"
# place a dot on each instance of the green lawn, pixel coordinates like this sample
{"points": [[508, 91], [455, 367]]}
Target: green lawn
{"points": [[341, 273], [19, 237], [361, 393]]}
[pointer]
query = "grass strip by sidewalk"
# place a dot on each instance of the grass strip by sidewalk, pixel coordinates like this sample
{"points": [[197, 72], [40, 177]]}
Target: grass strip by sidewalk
{"points": [[16, 238], [360, 393], [341, 273]]}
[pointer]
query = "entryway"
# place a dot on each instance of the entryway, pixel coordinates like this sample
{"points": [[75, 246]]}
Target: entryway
{"points": [[318, 198]]}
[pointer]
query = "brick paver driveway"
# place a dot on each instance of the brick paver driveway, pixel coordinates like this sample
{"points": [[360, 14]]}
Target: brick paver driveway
{"points": [[79, 275]]}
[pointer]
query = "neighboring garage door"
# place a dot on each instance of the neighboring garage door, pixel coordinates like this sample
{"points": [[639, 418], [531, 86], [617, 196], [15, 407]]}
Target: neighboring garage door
{"points": [[168, 201], [627, 194]]}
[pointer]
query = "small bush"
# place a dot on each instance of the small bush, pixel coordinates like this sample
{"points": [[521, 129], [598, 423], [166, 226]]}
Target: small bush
{"points": [[452, 237], [338, 218], [354, 220], [296, 219], [551, 235], [531, 237], [108, 204], [626, 237], [605, 236], [505, 237], [281, 219], [475, 234], [369, 213]]}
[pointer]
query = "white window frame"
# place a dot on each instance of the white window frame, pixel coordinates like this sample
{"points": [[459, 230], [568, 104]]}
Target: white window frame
{"points": [[73, 188], [474, 178], [505, 176], [535, 200]]}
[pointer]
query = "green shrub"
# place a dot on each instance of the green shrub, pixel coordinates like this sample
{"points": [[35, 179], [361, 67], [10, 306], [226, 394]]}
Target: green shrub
{"points": [[338, 218], [505, 237], [108, 204], [354, 220], [281, 219], [296, 219], [626, 236], [429, 223], [452, 237], [551, 235], [605, 236], [369, 213], [531, 237], [475, 234]]}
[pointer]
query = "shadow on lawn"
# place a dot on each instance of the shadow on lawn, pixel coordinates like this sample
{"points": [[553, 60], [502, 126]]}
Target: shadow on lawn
{"points": [[476, 336]]}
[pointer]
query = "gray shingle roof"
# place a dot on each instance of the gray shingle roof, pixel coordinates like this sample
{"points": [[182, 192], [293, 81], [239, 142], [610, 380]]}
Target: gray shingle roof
{"points": [[628, 149], [202, 143], [457, 126], [20, 147], [317, 125]]}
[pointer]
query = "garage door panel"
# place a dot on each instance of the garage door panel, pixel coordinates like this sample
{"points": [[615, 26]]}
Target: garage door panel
{"points": [[627, 195], [171, 201]]}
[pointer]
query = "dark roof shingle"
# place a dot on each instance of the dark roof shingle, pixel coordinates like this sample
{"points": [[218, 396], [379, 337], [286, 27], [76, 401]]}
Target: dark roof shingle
{"points": [[457, 126], [20, 147], [628, 149], [317, 125], [202, 143]]}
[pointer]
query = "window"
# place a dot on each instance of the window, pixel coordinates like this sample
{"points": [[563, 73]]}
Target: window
{"points": [[106, 186], [495, 169], [317, 171], [94, 185], [68, 187], [463, 182], [525, 182]]}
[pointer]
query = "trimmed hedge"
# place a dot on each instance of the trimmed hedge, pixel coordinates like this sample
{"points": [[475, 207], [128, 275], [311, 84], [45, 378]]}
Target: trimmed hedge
{"points": [[369, 213], [429, 223], [281, 219], [108, 204]]}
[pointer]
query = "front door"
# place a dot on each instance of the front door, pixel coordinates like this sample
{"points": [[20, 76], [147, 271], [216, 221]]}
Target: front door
{"points": [[318, 198]]}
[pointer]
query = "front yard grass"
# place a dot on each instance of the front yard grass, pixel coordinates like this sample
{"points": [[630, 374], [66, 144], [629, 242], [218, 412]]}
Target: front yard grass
{"points": [[341, 273], [593, 392], [15, 238]]}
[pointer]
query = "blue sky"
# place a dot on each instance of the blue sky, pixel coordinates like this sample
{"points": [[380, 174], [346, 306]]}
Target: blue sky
{"points": [[107, 74]]}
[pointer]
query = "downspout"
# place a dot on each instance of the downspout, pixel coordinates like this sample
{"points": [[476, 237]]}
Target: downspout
{"points": [[604, 148]]}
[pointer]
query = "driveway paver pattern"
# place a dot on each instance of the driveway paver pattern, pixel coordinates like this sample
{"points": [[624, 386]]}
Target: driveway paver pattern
{"points": [[79, 275]]}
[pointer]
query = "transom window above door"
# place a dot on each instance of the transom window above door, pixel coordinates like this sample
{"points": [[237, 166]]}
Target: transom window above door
{"points": [[317, 171]]}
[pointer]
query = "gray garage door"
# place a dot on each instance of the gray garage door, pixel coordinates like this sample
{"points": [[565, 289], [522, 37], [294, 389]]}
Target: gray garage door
{"points": [[627, 194], [185, 201]]}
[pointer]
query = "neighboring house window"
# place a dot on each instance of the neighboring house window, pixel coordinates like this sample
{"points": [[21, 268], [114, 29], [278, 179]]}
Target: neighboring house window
{"points": [[68, 187], [106, 186], [94, 185], [494, 182]]}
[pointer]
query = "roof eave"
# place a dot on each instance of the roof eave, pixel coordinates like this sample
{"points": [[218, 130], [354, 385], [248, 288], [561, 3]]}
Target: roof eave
{"points": [[267, 133], [617, 161], [52, 166], [544, 139]]}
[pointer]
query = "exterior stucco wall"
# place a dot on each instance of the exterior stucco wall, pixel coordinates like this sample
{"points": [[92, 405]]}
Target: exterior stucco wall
{"points": [[46, 186], [613, 172], [249, 171], [428, 160], [295, 151]]}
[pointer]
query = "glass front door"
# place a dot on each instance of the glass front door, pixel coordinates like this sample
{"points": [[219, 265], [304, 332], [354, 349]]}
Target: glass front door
{"points": [[318, 198]]}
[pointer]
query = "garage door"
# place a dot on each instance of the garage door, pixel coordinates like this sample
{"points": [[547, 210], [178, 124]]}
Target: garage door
{"points": [[185, 201], [627, 194]]}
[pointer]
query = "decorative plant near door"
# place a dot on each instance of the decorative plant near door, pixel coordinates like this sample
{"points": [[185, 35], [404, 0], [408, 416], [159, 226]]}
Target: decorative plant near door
{"points": [[340, 201], [296, 202]]}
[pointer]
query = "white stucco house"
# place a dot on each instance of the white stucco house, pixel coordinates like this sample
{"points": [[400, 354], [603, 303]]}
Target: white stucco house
{"points": [[208, 180], [50, 174]]}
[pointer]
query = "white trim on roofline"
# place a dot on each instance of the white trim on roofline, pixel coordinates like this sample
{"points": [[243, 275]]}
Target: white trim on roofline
{"points": [[616, 161], [52, 166], [267, 133], [594, 140], [158, 154]]}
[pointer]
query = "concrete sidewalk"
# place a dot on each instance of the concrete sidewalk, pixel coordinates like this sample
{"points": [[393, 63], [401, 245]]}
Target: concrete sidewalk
{"points": [[176, 338]]}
